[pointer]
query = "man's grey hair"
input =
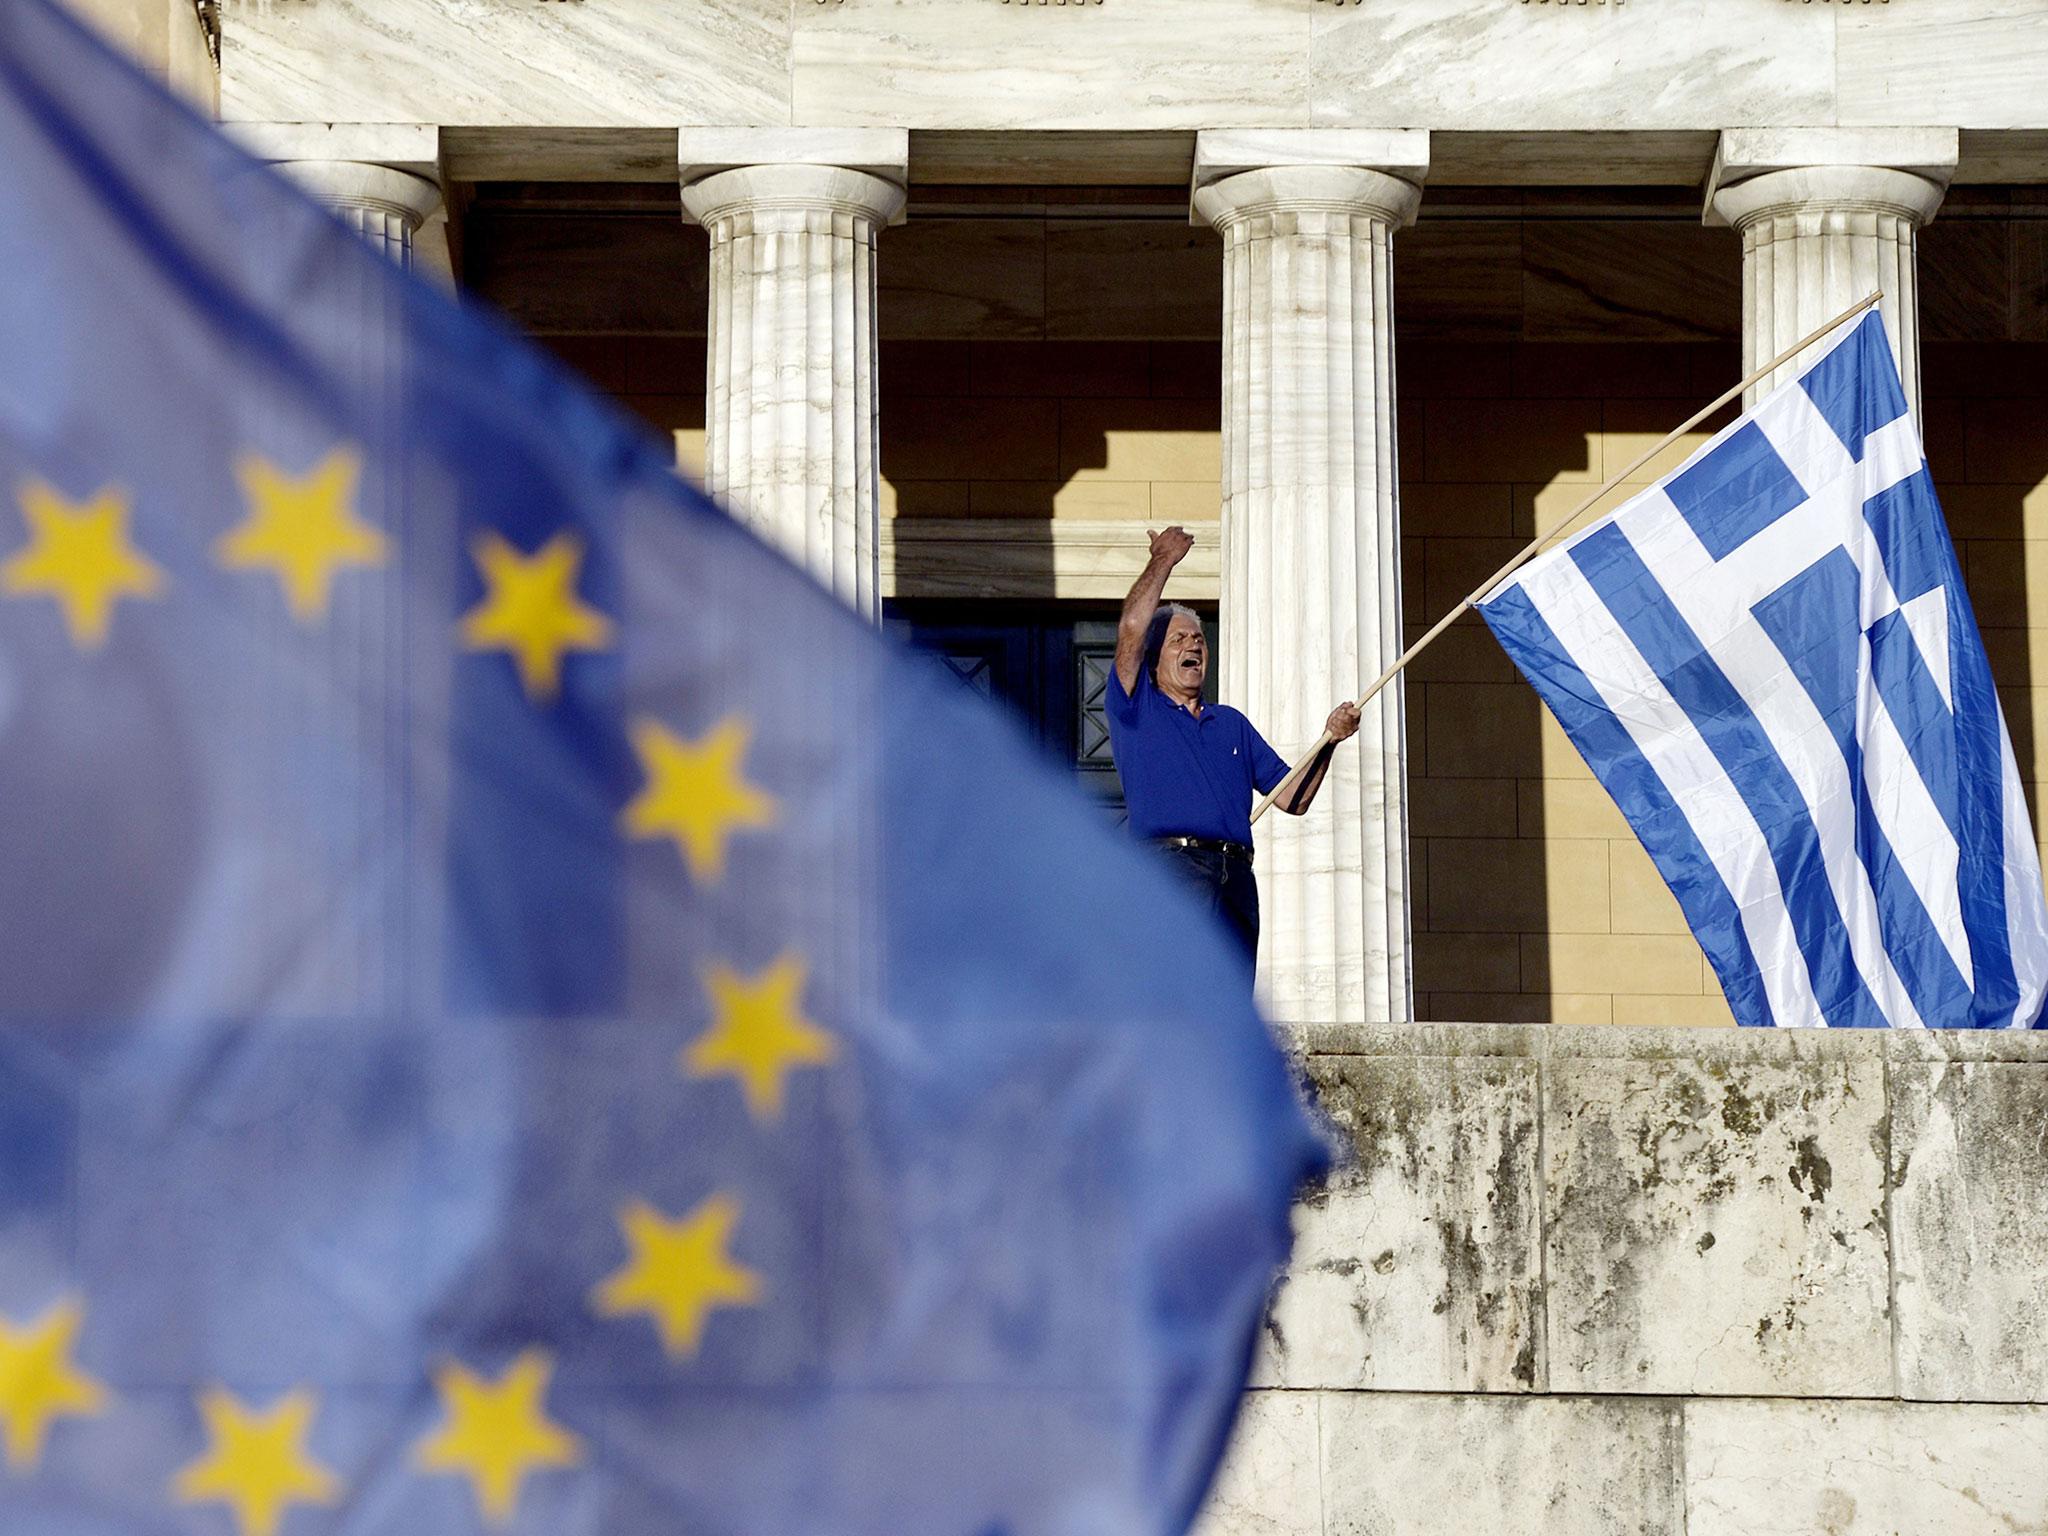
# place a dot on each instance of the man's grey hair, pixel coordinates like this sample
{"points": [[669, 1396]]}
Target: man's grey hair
{"points": [[1155, 632]]}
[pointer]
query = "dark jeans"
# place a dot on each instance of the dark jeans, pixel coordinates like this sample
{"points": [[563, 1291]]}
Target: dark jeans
{"points": [[1226, 887]]}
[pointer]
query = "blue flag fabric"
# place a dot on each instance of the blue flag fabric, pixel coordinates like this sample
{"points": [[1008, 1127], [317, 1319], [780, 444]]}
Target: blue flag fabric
{"points": [[516, 1010], [1769, 659]]}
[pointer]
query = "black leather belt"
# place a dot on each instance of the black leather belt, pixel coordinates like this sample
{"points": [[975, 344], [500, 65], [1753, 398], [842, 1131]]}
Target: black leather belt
{"points": [[1207, 845]]}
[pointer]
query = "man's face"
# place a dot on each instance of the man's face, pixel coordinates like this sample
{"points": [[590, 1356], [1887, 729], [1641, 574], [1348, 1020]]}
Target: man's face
{"points": [[1184, 658]]}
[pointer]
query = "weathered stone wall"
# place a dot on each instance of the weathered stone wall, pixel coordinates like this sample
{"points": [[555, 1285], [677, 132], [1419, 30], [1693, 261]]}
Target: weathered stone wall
{"points": [[1646, 1280]]}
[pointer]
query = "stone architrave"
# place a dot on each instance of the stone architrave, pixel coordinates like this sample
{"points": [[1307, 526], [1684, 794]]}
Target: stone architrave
{"points": [[791, 436], [1311, 599], [1819, 235]]}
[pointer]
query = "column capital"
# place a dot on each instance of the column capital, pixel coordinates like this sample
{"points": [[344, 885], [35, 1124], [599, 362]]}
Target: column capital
{"points": [[1376, 172], [802, 189], [1351, 191], [357, 184], [1902, 171]]}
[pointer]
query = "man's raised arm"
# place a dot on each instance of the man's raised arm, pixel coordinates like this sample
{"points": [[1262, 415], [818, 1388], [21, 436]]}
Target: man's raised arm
{"points": [[1169, 546]]}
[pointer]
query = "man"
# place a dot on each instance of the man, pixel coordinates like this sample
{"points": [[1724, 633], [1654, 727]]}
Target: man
{"points": [[1189, 771]]}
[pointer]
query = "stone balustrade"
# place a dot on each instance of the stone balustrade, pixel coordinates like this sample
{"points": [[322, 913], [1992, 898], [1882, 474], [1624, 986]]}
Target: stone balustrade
{"points": [[1661, 1281]]}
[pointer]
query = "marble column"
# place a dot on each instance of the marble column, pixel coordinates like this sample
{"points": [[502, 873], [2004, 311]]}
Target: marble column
{"points": [[1818, 237], [384, 206], [1311, 599], [790, 410]]}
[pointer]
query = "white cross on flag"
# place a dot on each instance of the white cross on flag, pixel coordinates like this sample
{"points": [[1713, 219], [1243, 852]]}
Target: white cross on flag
{"points": [[1769, 660]]}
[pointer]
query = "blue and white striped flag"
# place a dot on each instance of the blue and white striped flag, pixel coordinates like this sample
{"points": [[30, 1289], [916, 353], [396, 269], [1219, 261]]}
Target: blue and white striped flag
{"points": [[1769, 660]]}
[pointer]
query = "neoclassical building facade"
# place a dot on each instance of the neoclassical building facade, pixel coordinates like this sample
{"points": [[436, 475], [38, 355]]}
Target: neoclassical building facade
{"points": [[953, 299]]}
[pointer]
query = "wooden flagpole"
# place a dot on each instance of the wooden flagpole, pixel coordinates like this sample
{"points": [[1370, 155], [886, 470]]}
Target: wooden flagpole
{"points": [[1544, 541]]}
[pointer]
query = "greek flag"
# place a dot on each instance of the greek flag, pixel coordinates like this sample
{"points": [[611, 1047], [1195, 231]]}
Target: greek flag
{"points": [[1769, 660]]}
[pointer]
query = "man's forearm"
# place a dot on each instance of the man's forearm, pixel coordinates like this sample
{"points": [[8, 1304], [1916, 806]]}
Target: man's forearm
{"points": [[1143, 599], [1310, 781]]}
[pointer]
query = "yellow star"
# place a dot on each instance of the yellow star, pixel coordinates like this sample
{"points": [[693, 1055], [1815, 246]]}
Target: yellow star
{"points": [[679, 1272], [531, 610], [38, 1381], [301, 529], [79, 554], [758, 1033], [495, 1435], [696, 792], [258, 1465]]}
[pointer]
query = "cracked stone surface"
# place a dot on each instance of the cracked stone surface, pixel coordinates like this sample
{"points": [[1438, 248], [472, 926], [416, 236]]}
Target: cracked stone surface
{"points": [[1716, 1216], [1270, 1483], [1970, 1228], [1418, 1266], [1863, 1469], [1452, 1466]]}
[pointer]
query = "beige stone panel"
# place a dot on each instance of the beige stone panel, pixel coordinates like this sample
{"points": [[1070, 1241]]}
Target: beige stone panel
{"points": [[690, 453], [1997, 572], [1453, 569], [1067, 369], [1521, 1008], [1141, 278], [966, 439], [668, 413], [1464, 653], [1514, 885], [1140, 440], [1634, 965], [963, 279], [1632, 427], [1431, 509], [1100, 499], [926, 498], [1642, 902], [1943, 431], [1181, 501], [1686, 1010], [1569, 808], [1484, 730], [1996, 511], [1622, 280], [1461, 808], [1458, 278], [1433, 368], [1544, 508], [1467, 962], [1522, 440], [2006, 441], [1639, 370]]}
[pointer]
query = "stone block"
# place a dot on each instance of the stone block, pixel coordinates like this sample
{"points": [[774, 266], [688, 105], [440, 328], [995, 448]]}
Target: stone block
{"points": [[1518, 885], [1632, 427], [1639, 900], [1483, 808], [1270, 1483], [1523, 1007], [1467, 962], [1541, 440], [1715, 1217], [1136, 278], [1969, 1221], [1863, 1469], [1477, 509], [1634, 964], [1417, 1266], [2004, 442], [1630, 280], [1453, 1466], [1682, 1010], [1140, 440], [962, 279], [1569, 808]]}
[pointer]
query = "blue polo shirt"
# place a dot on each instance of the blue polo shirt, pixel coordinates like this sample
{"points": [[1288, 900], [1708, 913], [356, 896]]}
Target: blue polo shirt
{"points": [[1185, 776]]}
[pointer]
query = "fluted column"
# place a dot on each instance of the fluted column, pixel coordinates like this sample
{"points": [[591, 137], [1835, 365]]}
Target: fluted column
{"points": [[791, 426], [1311, 600], [385, 206], [1816, 238]]}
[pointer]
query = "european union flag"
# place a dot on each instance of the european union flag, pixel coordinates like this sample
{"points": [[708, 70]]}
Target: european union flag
{"points": [[515, 1009]]}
